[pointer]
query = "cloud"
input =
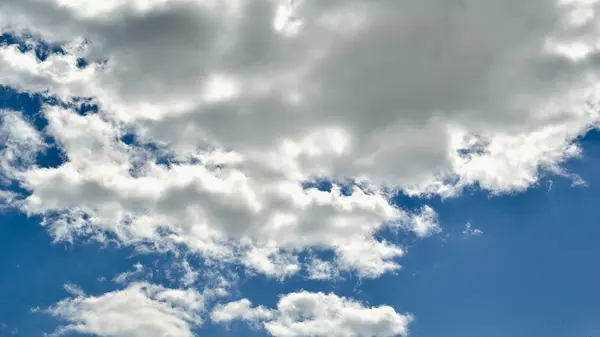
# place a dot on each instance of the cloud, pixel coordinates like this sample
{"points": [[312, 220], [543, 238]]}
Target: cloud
{"points": [[425, 223], [74, 290], [321, 270], [470, 231], [20, 141], [249, 100], [141, 309], [99, 189], [317, 314], [125, 277], [240, 310]]}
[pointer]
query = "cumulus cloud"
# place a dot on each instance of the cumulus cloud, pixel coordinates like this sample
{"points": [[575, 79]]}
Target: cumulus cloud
{"points": [[140, 310], [249, 100], [204, 205], [317, 314], [240, 310]]}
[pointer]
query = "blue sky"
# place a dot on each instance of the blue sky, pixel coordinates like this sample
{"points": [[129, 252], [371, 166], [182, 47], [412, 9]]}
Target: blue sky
{"points": [[301, 169]]}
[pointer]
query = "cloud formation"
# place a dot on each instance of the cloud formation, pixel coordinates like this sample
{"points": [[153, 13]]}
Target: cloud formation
{"points": [[470, 231], [318, 315], [140, 310], [213, 116], [217, 119]]}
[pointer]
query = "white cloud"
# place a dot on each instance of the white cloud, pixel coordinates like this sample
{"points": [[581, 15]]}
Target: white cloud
{"points": [[141, 309], [425, 222], [125, 277], [321, 270], [7, 198], [470, 231], [317, 314], [240, 310], [189, 274], [202, 206], [74, 290], [269, 261], [20, 143], [368, 257], [428, 97]]}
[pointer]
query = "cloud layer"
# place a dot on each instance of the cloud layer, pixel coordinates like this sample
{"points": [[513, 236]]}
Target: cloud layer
{"points": [[249, 100], [217, 122]]}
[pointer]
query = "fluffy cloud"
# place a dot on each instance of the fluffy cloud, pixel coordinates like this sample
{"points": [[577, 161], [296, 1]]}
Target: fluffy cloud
{"points": [[20, 142], [249, 100], [109, 186], [139, 310], [317, 314], [240, 310]]}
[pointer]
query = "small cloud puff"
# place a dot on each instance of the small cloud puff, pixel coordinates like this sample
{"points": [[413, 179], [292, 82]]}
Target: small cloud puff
{"points": [[470, 231]]}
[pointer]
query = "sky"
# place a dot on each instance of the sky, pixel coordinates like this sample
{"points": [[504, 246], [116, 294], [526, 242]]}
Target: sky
{"points": [[182, 168]]}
